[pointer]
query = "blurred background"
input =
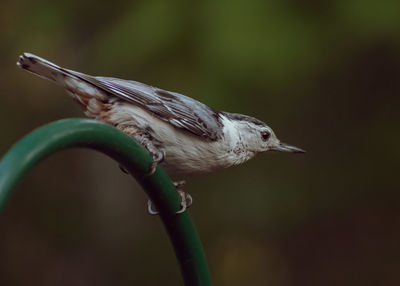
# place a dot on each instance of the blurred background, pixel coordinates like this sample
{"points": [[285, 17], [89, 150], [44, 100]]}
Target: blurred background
{"points": [[323, 74]]}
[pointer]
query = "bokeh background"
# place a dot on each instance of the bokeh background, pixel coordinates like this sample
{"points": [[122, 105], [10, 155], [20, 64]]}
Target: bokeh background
{"points": [[324, 74]]}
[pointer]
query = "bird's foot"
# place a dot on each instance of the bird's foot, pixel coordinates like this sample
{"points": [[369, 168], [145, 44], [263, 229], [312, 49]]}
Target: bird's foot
{"points": [[158, 157], [186, 201], [145, 140]]}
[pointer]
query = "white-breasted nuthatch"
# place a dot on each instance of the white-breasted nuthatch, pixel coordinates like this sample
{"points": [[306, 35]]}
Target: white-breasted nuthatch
{"points": [[186, 136]]}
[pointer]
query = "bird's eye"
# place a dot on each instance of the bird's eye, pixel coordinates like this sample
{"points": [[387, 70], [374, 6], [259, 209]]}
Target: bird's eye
{"points": [[265, 135]]}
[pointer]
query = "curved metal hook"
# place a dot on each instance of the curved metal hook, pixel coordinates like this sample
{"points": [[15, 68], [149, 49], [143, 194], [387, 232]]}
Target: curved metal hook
{"points": [[136, 160]]}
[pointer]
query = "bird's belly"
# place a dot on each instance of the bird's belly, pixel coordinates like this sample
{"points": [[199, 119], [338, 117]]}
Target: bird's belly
{"points": [[194, 158]]}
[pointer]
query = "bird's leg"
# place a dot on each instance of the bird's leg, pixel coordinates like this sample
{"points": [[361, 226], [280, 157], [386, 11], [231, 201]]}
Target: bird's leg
{"points": [[144, 139], [158, 156]]}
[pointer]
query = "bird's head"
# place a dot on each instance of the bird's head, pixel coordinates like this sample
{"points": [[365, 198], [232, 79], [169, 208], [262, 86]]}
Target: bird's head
{"points": [[259, 137]]}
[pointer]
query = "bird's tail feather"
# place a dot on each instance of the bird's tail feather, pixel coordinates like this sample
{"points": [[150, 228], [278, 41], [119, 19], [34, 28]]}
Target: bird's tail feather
{"points": [[44, 68]]}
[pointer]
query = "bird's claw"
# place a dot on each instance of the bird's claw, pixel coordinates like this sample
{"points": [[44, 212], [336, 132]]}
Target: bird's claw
{"points": [[186, 201], [158, 157], [150, 208]]}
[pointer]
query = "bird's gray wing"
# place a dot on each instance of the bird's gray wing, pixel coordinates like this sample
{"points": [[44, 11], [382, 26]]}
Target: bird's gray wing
{"points": [[179, 110]]}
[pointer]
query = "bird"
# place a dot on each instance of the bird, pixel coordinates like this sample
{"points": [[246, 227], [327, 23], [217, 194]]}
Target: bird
{"points": [[185, 136]]}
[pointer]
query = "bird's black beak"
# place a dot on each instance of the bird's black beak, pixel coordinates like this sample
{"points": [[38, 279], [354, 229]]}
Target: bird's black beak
{"points": [[282, 147]]}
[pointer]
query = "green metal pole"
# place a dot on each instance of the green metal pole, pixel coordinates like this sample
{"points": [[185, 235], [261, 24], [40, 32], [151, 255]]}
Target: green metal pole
{"points": [[136, 160]]}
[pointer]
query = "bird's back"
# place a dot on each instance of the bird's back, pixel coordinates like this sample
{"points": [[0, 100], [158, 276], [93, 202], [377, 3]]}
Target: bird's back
{"points": [[180, 111]]}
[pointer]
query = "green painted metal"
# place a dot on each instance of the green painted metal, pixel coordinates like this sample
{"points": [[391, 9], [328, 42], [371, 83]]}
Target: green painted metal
{"points": [[136, 160]]}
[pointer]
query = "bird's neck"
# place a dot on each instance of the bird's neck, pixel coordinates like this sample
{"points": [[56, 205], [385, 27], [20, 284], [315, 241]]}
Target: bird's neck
{"points": [[237, 146]]}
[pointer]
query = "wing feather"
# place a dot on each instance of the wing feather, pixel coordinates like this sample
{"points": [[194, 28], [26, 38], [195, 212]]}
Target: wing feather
{"points": [[179, 110]]}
